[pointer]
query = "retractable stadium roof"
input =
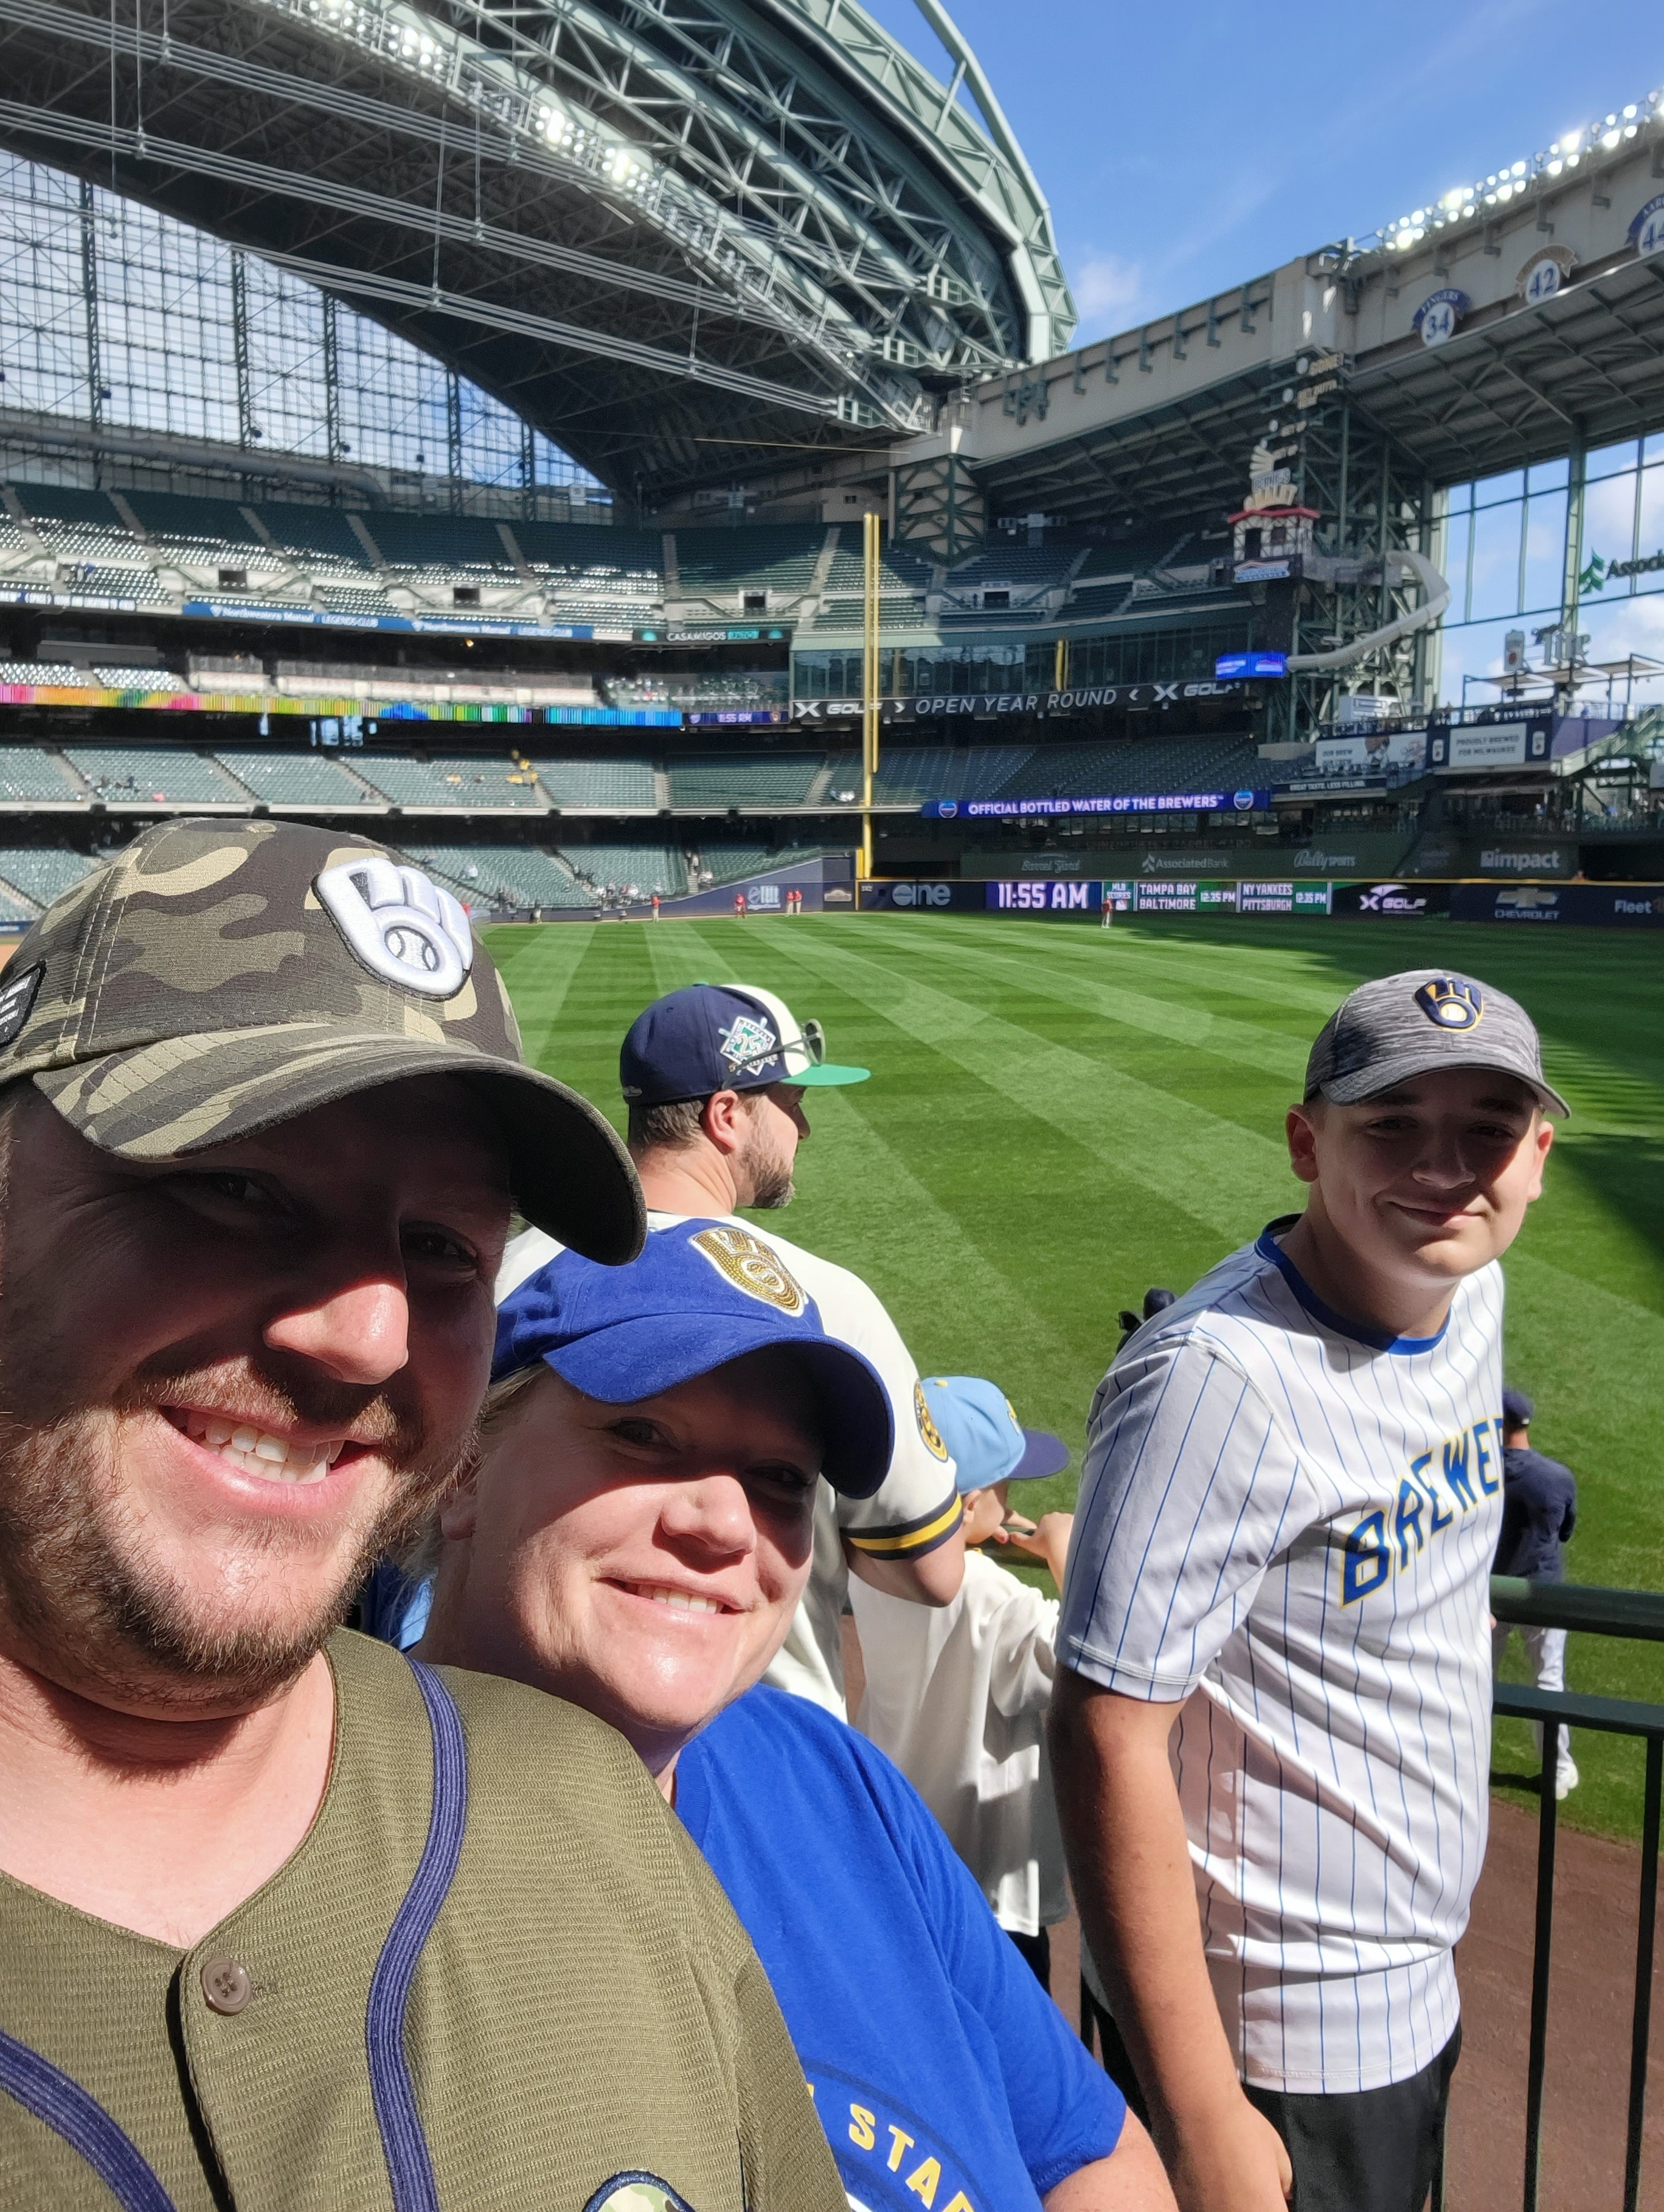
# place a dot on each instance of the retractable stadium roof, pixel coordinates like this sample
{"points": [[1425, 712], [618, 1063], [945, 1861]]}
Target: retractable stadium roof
{"points": [[675, 235]]}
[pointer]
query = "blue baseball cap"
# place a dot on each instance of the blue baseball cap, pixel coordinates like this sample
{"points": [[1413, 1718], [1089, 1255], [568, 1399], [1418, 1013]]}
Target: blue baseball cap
{"points": [[722, 1036], [700, 1295], [984, 1438], [1517, 1409]]}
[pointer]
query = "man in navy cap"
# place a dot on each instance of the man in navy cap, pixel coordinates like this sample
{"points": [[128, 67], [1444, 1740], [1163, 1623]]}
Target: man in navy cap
{"points": [[714, 1077], [1539, 1512]]}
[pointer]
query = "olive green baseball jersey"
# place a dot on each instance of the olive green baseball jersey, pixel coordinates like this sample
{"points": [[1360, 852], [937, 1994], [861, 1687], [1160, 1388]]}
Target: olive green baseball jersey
{"points": [[496, 1976]]}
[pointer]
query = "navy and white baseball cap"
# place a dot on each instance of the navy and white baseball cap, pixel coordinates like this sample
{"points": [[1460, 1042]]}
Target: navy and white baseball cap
{"points": [[722, 1036], [700, 1295], [985, 1440], [1417, 1023], [1517, 1409]]}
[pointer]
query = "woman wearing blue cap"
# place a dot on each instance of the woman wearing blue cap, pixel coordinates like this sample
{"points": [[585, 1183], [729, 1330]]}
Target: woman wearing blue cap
{"points": [[634, 1536]]}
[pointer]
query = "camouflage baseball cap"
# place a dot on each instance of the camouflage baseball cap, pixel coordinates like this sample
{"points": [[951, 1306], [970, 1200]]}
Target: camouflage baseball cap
{"points": [[217, 978]]}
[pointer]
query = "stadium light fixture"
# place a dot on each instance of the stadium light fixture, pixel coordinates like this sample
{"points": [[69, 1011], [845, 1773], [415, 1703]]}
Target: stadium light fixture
{"points": [[1462, 203]]}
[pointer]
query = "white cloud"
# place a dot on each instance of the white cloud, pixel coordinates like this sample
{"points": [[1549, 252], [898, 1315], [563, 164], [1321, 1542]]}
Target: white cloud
{"points": [[1109, 293]]}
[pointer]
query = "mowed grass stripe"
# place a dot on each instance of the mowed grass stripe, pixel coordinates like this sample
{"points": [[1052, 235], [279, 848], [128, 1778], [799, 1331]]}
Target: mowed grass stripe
{"points": [[864, 1207], [1308, 967], [1038, 969], [1201, 1165], [538, 965]]}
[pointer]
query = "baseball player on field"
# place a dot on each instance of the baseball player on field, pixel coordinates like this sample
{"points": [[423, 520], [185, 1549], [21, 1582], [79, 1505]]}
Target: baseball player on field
{"points": [[1271, 1733]]}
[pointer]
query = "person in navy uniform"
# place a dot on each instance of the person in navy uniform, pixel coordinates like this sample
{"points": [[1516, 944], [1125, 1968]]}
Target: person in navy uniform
{"points": [[1539, 1512]]}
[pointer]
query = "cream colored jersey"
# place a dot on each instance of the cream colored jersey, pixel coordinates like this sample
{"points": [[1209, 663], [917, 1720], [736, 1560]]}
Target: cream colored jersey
{"points": [[957, 1696]]}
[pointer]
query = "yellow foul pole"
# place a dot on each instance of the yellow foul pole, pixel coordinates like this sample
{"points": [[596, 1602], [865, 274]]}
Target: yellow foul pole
{"points": [[869, 692]]}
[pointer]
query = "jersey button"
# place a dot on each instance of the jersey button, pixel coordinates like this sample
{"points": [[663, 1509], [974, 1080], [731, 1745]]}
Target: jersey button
{"points": [[226, 1984]]}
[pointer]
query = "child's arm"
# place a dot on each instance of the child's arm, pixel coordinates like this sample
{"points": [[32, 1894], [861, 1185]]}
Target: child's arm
{"points": [[1046, 1541]]}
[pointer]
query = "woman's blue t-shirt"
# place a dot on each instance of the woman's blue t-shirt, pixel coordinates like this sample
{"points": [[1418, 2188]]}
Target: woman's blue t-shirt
{"points": [[944, 2075]]}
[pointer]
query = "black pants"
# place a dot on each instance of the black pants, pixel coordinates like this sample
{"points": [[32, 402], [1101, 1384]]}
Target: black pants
{"points": [[1367, 2150], [1037, 1949]]}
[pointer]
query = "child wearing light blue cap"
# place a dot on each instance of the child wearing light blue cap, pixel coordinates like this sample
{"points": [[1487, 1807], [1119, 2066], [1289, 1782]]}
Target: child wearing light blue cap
{"points": [[957, 1695]]}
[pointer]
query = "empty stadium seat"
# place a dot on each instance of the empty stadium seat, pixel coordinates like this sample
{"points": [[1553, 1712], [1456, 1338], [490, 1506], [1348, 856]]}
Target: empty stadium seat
{"points": [[42, 872], [438, 542], [295, 778], [639, 870], [27, 774], [501, 875], [1148, 767], [761, 557], [171, 775], [909, 775], [742, 779], [577, 784], [467, 782]]}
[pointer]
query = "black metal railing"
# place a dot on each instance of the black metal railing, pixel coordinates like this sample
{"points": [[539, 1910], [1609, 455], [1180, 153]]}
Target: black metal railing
{"points": [[1640, 1615], [1585, 1610]]}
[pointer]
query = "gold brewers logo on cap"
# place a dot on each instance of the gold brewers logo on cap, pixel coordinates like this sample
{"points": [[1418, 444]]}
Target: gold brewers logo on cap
{"points": [[751, 1267]]}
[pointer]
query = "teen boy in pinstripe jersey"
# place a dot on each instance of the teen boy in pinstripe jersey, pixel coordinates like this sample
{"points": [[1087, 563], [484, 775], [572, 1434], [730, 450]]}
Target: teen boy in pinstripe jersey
{"points": [[1274, 1700]]}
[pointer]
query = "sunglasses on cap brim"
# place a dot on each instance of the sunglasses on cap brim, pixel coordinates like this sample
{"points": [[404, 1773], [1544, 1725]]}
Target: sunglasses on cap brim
{"points": [[812, 1043]]}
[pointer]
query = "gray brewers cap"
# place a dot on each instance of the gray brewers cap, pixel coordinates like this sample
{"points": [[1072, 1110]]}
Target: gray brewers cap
{"points": [[1410, 1024]]}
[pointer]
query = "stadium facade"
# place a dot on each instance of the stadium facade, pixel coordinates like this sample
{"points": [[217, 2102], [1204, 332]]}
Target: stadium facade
{"points": [[319, 317]]}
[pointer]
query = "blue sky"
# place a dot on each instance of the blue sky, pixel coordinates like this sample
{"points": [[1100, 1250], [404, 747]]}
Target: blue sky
{"points": [[1185, 149]]}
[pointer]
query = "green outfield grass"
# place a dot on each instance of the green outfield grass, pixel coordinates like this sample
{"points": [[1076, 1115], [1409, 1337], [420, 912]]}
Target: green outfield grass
{"points": [[1061, 1116]]}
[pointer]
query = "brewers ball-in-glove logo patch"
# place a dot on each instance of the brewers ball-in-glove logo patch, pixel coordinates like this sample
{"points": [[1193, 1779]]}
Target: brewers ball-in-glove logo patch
{"points": [[927, 1427], [637, 2192], [748, 1042], [1451, 1002], [751, 1267], [399, 925]]}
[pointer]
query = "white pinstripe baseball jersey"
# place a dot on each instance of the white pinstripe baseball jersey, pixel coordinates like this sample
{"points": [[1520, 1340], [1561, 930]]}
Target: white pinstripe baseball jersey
{"points": [[1297, 1523]]}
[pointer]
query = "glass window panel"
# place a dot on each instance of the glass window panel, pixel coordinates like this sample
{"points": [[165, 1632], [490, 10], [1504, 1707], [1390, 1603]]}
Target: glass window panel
{"points": [[43, 323], [1652, 524], [1458, 532], [1609, 460], [1546, 553], [1469, 652], [1496, 561], [1549, 476], [167, 348], [1624, 627], [1489, 490], [1609, 518], [1653, 449]]}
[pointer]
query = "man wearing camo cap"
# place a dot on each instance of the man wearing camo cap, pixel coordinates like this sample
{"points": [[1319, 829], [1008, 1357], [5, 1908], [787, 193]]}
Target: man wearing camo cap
{"points": [[270, 1932]]}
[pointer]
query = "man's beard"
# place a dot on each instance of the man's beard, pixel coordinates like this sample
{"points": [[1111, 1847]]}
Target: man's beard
{"points": [[91, 1606], [771, 1178]]}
